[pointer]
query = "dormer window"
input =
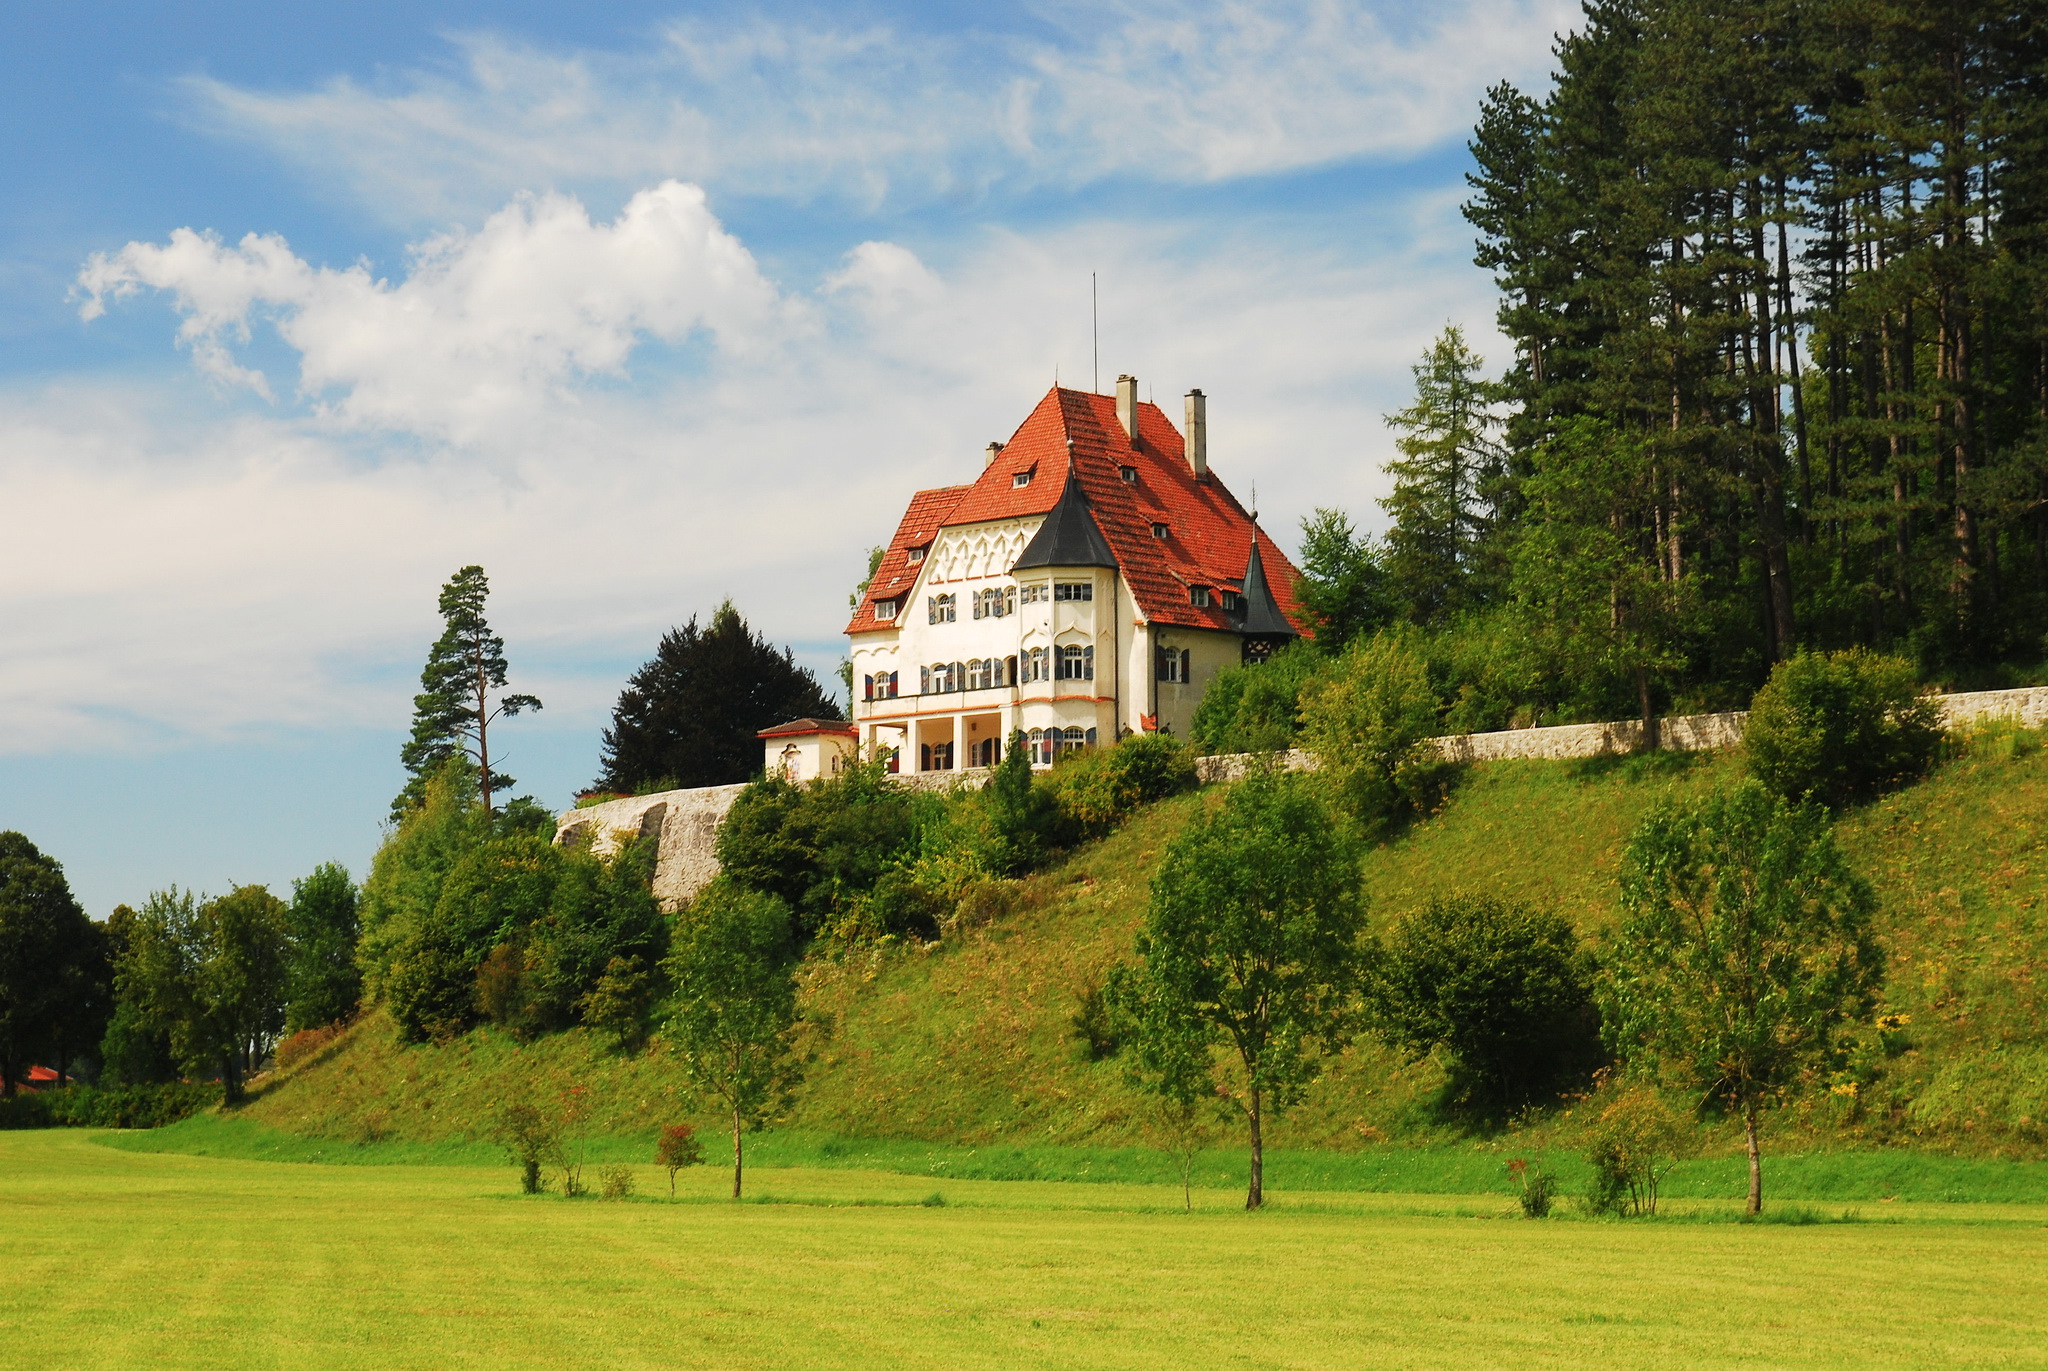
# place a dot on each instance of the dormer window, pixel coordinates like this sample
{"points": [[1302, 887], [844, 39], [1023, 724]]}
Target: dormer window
{"points": [[1232, 600], [917, 555], [1129, 474], [1022, 478], [1198, 596], [1159, 530], [886, 609]]}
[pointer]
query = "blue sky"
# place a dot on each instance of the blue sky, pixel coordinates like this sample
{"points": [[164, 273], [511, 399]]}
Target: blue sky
{"points": [[641, 307]]}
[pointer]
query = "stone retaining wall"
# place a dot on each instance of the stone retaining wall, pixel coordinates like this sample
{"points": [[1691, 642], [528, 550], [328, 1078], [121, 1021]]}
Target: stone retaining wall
{"points": [[686, 821]]}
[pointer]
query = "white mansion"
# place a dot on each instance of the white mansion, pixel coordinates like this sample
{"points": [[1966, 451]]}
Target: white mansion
{"points": [[1089, 582]]}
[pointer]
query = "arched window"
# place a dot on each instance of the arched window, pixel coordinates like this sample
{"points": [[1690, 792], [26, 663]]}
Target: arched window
{"points": [[1076, 663]]}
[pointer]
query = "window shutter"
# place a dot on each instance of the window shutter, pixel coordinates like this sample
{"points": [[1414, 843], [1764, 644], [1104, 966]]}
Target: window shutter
{"points": [[868, 687], [1087, 663], [924, 680], [1187, 670]]}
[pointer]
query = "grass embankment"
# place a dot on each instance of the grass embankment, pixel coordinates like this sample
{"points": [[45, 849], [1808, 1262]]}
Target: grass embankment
{"points": [[123, 1259], [971, 1042]]}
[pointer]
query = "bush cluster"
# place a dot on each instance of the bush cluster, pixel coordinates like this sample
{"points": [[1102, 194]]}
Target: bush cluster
{"points": [[1501, 990], [123, 1106], [1837, 727], [858, 855], [468, 919]]}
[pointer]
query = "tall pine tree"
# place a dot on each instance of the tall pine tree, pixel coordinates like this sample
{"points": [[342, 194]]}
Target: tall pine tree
{"points": [[1447, 482], [459, 696]]}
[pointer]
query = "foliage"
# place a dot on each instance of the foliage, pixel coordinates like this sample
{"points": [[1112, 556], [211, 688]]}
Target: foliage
{"points": [[324, 981], [1343, 584], [677, 1147], [453, 713], [1788, 258], [691, 715], [53, 964], [1251, 944], [1023, 815], [532, 1139], [615, 1182], [1448, 483], [820, 848], [1255, 707], [1745, 940], [469, 915], [1535, 1188], [210, 977], [1501, 989], [733, 1014], [1367, 722], [1840, 726], [108, 1106], [300, 1045], [1098, 788], [1597, 610], [412, 863], [1636, 1138]]}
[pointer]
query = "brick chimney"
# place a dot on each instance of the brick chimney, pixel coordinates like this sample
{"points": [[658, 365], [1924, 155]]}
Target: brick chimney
{"points": [[1197, 433], [1127, 405]]}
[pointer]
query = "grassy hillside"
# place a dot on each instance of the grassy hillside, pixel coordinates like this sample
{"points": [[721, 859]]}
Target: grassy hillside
{"points": [[971, 1041]]}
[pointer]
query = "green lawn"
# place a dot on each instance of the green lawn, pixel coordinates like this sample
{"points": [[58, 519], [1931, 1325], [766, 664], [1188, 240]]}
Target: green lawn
{"points": [[122, 1258]]}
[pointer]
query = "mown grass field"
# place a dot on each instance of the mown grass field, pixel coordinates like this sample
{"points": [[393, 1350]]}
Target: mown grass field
{"points": [[126, 1259]]}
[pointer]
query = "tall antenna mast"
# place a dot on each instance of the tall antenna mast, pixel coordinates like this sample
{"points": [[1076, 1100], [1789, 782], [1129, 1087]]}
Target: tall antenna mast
{"points": [[1095, 331]]}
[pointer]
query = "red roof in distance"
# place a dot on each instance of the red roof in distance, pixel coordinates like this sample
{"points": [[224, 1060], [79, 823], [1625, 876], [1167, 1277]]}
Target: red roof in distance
{"points": [[809, 728], [1208, 533]]}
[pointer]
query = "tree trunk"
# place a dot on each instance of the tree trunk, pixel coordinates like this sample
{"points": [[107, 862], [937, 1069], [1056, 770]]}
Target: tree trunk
{"points": [[1756, 1166], [736, 1152], [1652, 732], [1255, 1197]]}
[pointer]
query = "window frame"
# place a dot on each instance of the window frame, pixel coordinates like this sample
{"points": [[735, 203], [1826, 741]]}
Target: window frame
{"points": [[1075, 592]]}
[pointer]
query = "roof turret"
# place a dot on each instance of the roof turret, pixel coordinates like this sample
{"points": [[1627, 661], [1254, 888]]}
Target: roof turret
{"points": [[1069, 536]]}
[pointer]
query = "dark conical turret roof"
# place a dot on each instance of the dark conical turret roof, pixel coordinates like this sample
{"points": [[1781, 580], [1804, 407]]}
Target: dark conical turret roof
{"points": [[1262, 616], [1069, 536]]}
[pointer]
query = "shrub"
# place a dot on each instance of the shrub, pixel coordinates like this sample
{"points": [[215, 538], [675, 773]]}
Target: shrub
{"points": [[1368, 721], [1840, 726], [1096, 791], [304, 1044], [1093, 1025], [1503, 990], [677, 1147], [615, 1182], [1535, 1189], [1023, 816], [128, 1106], [531, 1139], [1635, 1140], [1255, 707]]}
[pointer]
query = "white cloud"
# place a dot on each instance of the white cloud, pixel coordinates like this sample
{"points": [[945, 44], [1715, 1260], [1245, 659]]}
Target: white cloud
{"points": [[206, 566], [1143, 89], [484, 328]]}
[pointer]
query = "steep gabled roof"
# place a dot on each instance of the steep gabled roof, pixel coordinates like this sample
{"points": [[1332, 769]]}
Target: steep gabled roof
{"points": [[1074, 436], [1068, 537], [896, 573]]}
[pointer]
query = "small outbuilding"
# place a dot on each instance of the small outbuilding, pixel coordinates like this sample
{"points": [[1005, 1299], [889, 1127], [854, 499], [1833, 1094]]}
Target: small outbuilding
{"points": [[805, 749]]}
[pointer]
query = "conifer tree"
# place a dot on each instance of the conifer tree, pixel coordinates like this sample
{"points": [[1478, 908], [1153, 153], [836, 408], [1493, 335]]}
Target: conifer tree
{"points": [[690, 716], [458, 701], [1446, 483]]}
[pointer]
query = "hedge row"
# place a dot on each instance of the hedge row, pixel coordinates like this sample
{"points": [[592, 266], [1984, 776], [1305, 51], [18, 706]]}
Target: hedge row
{"points": [[127, 1106]]}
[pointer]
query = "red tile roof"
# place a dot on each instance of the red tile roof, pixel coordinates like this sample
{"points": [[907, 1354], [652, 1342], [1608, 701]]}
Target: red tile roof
{"points": [[1208, 534], [808, 728]]}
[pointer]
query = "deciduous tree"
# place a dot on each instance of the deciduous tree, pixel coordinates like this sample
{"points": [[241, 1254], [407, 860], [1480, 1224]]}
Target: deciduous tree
{"points": [[733, 963], [1745, 940], [46, 945], [1251, 955]]}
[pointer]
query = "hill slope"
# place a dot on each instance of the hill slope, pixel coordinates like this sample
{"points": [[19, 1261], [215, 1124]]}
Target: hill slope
{"points": [[972, 1040]]}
